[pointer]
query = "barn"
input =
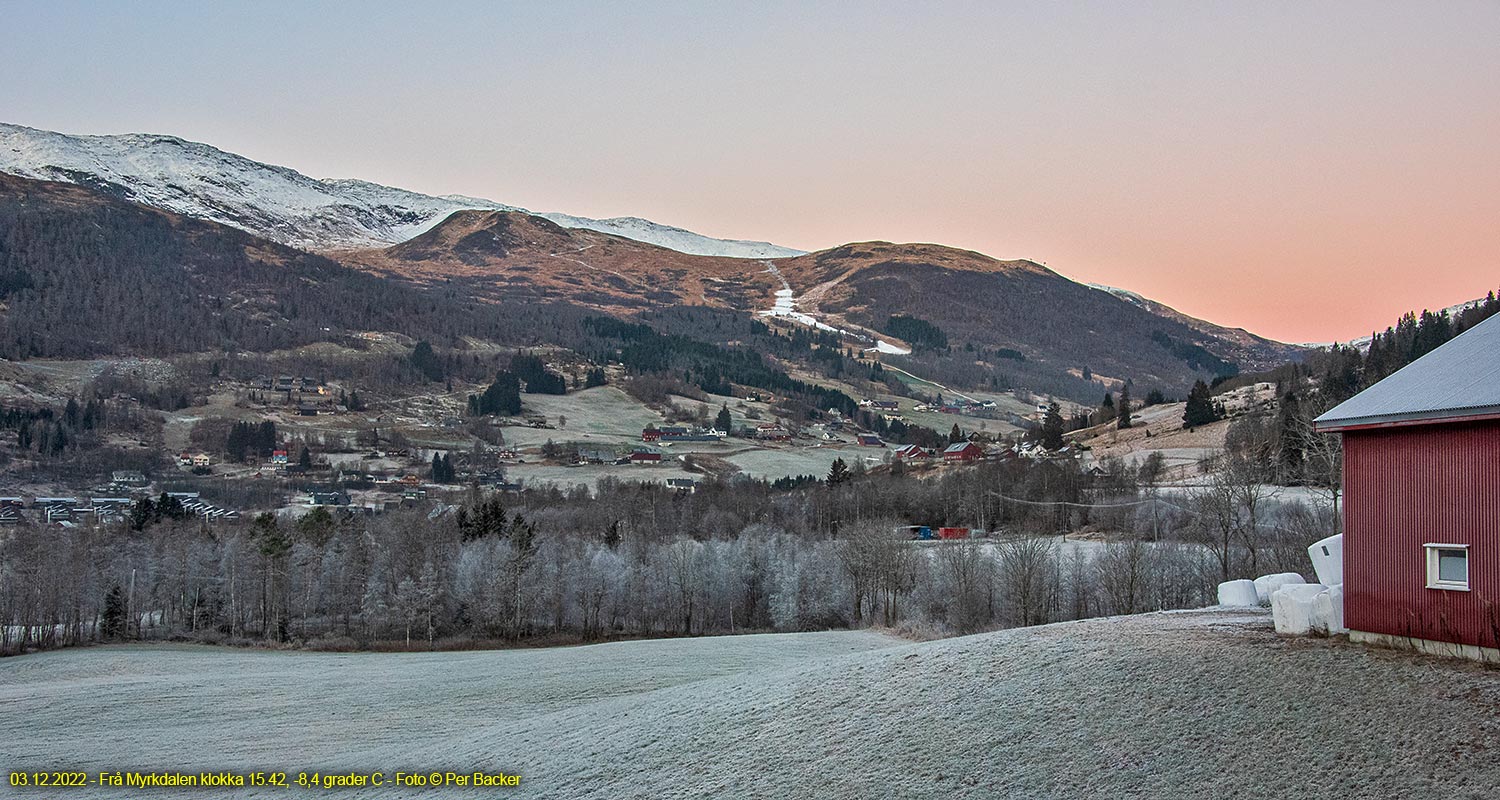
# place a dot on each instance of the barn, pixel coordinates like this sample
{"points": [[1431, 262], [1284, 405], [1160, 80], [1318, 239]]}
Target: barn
{"points": [[963, 453], [1422, 501]]}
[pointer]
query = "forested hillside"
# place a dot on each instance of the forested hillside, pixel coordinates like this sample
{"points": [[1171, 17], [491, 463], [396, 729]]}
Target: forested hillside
{"points": [[84, 274], [1004, 324]]}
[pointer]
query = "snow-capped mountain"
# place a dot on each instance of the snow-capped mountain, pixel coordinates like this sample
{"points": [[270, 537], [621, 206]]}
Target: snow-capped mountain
{"points": [[282, 204]]}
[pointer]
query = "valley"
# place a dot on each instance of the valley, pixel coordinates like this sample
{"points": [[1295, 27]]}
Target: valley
{"points": [[809, 401]]}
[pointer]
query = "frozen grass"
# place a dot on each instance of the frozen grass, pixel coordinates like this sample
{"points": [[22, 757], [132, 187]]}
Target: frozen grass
{"points": [[191, 708], [1184, 705], [1207, 704], [603, 414], [792, 461]]}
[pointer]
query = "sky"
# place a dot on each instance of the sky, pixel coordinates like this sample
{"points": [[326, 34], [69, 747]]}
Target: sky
{"points": [[1305, 170]]}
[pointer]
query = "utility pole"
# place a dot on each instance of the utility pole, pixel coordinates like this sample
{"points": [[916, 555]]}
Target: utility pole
{"points": [[130, 607]]}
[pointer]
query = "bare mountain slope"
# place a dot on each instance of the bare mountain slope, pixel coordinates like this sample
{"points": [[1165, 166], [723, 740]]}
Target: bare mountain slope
{"points": [[1022, 309], [514, 255]]}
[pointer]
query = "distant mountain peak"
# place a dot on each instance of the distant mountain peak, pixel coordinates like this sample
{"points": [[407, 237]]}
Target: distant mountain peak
{"points": [[284, 205]]}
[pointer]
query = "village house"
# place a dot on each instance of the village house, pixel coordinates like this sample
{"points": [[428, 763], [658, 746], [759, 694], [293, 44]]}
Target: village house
{"points": [[597, 455], [331, 498], [1421, 539]]}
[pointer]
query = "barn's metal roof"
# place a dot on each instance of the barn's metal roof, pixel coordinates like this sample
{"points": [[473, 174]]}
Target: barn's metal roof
{"points": [[1460, 379]]}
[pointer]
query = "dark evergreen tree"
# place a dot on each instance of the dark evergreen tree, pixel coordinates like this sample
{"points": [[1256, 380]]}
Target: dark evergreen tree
{"points": [[723, 421], [1200, 408], [426, 362], [1123, 418], [112, 621], [533, 372], [838, 472], [1053, 427], [503, 397]]}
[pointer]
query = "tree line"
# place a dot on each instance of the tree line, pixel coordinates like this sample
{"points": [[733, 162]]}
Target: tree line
{"points": [[548, 565]]}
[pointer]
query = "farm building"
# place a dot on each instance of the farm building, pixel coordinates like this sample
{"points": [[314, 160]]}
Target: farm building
{"points": [[913, 452], [667, 431], [1422, 500], [869, 440], [774, 433], [963, 452], [128, 477]]}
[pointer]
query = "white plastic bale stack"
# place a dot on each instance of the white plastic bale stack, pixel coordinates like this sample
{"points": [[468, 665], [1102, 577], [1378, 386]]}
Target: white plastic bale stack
{"points": [[1328, 611], [1238, 593], [1328, 560], [1293, 607], [1266, 585]]}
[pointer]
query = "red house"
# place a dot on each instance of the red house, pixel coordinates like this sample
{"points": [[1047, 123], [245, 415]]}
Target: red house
{"points": [[1422, 501], [963, 453]]}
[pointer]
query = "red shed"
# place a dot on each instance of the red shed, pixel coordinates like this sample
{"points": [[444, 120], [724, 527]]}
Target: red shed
{"points": [[1422, 501]]}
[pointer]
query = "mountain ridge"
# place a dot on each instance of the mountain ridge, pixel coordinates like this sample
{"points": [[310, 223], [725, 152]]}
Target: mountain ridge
{"points": [[284, 205]]}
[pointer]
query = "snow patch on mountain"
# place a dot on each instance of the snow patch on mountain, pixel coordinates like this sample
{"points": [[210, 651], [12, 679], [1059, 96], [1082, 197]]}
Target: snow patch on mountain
{"points": [[284, 205]]}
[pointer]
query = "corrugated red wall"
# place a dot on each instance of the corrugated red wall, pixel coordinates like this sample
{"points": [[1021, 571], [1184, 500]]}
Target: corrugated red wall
{"points": [[1404, 487]]}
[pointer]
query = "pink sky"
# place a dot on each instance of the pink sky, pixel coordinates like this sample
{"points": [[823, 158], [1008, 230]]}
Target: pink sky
{"points": [[1305, 170]]}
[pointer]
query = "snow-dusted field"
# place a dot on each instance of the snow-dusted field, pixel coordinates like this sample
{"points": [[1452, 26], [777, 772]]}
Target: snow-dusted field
{"points": [[1208, 704]]}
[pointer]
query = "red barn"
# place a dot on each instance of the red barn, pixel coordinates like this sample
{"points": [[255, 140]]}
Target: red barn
{"points": [[1422, 501], [963, 452]]}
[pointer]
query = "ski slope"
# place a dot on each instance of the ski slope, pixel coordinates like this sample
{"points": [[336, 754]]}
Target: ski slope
{"points": [[785, 307]]}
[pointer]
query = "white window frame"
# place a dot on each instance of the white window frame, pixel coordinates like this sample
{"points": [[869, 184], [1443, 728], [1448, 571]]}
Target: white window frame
{"points": [[1435, 582]]}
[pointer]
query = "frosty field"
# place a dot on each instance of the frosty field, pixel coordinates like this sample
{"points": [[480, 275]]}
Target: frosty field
{"points": [[205, 708], [1207, 704]]}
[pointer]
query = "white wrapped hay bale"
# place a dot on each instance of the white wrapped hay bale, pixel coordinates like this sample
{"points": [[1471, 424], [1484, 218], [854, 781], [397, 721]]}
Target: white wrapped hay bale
{"points": [[1238, 593], [1266, 585], [1328, 560], [1328, 610], [1292, 607]]}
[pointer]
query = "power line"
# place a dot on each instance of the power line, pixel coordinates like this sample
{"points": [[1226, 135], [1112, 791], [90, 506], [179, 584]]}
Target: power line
{"points": [[1074, 505]]}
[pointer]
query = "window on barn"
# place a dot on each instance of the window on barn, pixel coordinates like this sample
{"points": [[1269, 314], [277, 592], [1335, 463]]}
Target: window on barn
{"points": [[1448, 566]]}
